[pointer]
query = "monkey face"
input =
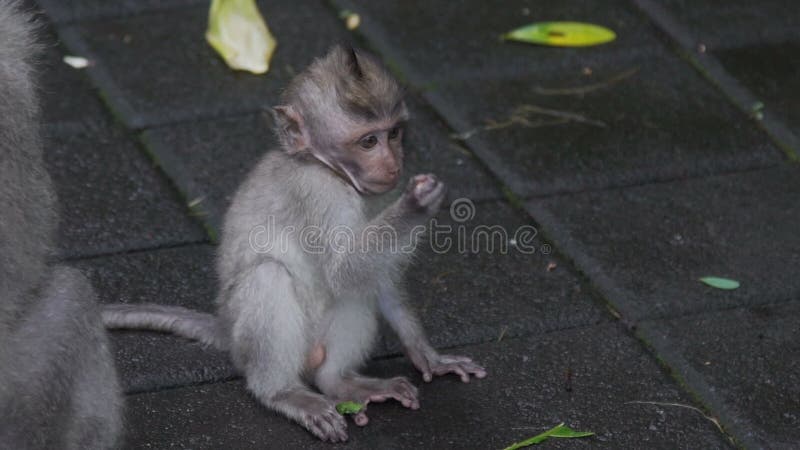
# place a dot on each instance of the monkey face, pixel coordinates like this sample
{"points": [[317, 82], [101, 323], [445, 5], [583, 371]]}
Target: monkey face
{"points": [[374, 158]]}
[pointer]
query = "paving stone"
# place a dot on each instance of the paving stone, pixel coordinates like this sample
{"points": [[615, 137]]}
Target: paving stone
{"points": [[75, 10], [445, 41], [734, 23], [525, 393], [183, 276], [474, 291], [663, 122], [645, 247], [157, 68], [209, 159], [770, 72], [749, 359], [112, 199], [707, 63]]}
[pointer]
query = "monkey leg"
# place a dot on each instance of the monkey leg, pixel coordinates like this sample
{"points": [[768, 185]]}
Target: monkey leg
{"points": [[270, 345], [347, 344]]}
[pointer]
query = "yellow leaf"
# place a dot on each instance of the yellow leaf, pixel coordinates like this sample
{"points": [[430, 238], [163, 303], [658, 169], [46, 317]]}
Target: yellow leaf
{"points": [[239, 34], [562, 34]]}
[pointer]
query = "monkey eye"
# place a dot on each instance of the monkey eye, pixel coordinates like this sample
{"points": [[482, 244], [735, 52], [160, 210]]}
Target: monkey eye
{"points": [[394, 133], [367, 142]]}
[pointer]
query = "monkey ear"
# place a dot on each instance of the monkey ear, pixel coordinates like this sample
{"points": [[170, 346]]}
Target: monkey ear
{"points": [[352, 62], [291, 128]]}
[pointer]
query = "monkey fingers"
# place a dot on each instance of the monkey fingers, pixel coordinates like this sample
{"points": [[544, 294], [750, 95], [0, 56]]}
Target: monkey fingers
{"points": [[430, 363], [459, 365], [425, 192]]}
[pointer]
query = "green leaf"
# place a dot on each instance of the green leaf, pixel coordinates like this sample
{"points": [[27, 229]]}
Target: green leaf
{"points": [[567, 432], [720, 283], [559, 431], [349, 408], [562, 34]]}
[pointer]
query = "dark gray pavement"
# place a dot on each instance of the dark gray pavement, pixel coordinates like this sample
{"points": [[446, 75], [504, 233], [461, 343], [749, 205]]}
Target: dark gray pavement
{"points": [[643, 165]]}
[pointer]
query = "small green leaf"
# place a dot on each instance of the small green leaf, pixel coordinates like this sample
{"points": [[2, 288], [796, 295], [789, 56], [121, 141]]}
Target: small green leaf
{"points": [[561, 34], [720, 283], [349, 408], [559, 431]]}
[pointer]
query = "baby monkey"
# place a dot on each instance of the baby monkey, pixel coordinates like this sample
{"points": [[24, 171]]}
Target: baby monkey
{"points": [[293, 316]]}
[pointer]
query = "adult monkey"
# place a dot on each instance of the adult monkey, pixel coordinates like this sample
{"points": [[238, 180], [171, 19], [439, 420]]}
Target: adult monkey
{"points": [[58, 385], [291, 317]]}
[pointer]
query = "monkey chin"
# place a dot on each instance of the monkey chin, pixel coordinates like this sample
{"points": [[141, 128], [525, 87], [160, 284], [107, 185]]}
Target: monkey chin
{"points": [[375, 188]]}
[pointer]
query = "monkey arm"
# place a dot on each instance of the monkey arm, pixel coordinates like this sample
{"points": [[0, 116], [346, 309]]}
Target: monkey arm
{"points": [[382, 246], [393, 307], [385, 243]]}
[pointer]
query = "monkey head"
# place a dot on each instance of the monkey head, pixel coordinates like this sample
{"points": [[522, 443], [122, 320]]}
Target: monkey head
{"points": [[346, 111]]}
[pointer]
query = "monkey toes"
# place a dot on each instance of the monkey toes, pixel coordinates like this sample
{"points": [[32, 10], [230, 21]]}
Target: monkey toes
{"points": [[325, 422], [425, 192]]}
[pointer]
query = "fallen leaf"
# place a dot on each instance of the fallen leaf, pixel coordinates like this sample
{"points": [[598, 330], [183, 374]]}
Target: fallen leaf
{"points": [[239, 34], [720, 283], [561, 34], [559, 431], [76, 62]]}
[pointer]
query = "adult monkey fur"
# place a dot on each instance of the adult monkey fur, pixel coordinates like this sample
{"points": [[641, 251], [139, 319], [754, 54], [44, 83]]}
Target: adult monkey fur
{"points": [[58, 385], [292, 317]]}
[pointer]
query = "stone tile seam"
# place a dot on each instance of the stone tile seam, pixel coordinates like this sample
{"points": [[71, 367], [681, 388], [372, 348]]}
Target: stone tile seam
{"points": [[688, 381], [134, 251], [693, 382], [175, 386], [111, 94], [786, 301], [605, 288], [656, 182], [178, 176], [121, 109], [710, 68]]}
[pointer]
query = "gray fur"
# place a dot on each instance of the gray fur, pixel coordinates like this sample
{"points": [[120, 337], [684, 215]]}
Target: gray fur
{"points": [[185, 322], [58, 386], [298, 315]]}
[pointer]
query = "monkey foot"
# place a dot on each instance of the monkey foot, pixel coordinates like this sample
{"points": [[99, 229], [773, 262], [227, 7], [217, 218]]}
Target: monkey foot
{"points": [[367, 390], [315, 412]]}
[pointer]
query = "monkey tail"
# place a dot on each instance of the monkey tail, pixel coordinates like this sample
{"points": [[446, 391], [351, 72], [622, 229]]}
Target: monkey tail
{"points": [[195, 325]]}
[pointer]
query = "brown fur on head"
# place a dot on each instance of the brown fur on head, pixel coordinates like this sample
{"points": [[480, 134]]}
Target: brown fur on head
{"points": [[347, 111]]}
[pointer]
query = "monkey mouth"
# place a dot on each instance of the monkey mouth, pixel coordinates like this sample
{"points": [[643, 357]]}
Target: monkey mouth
{"points": [[378, 187]]}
